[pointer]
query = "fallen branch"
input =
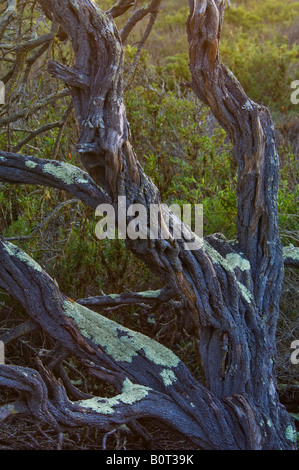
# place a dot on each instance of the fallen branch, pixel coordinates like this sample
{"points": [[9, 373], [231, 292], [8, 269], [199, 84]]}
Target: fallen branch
{"points": [[128, 298]]}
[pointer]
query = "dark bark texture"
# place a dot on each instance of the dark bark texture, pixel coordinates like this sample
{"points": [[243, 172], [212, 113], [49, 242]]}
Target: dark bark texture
{"points": [[229, 291]]}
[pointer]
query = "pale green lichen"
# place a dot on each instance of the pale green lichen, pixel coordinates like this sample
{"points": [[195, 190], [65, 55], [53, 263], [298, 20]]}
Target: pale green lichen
{"points": [[151, 293], [291, 252], [30, 164], [147, 294], [114, 296], [291, 434], [13, 250], [119, 342], [214, 255], [2, 159], [168, 377], [99, 405], [247, 295], [237, 261], [229, 263], [131, 393], [69, 174]]}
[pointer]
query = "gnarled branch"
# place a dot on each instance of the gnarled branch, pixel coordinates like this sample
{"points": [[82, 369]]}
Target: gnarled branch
{"points": [[21, 169], [156, 380]]}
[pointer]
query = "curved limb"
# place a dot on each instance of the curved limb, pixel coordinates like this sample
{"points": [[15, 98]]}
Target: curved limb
{"points": [[21, 169], [153, 378]]}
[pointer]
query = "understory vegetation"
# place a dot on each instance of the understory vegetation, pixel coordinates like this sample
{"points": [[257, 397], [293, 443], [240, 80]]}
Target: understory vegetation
{"points": [[181, 147]]}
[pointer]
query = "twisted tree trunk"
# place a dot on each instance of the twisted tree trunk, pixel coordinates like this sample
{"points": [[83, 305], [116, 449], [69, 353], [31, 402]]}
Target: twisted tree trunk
{"points": [[230, 291]]}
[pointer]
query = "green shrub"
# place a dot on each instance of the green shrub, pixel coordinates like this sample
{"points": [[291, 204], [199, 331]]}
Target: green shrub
{"points": [[264, 68]]}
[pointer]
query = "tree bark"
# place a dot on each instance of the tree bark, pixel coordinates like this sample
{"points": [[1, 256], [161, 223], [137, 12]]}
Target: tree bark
{"points": [[230, 292]]}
